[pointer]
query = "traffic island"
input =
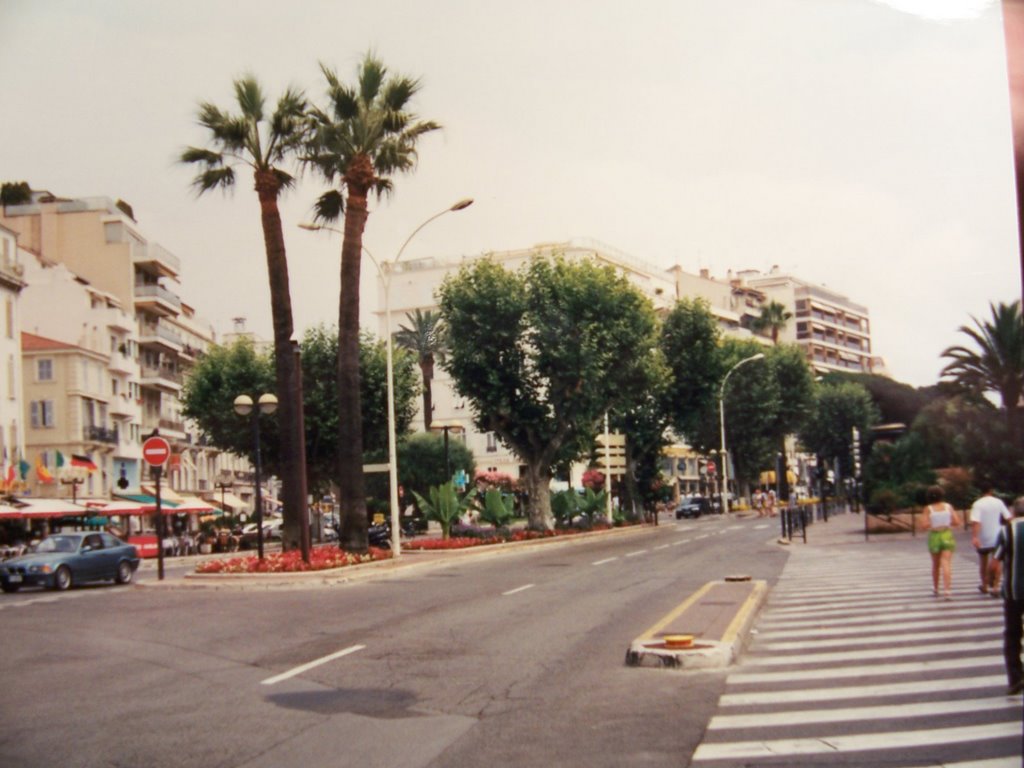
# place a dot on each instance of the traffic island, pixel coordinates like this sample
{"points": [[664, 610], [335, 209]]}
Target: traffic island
{"points": [[708, 629]]}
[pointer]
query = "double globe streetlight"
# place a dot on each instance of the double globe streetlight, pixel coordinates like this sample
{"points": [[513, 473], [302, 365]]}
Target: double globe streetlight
{"points": [[385, 271], [244, 406], [721, 415]]}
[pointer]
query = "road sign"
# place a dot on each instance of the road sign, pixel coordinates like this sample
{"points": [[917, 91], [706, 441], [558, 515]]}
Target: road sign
{"points": [[155, 451], [712, 469]]}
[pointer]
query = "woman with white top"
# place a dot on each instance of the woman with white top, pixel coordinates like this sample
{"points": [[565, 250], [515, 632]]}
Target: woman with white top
{"points": [[939, 520]]}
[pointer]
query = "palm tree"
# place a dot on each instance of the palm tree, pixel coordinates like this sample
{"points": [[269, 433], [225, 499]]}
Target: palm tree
{"points": [[365, 136], [996, 364], [773, 319], [426, 339], [264, 143]]}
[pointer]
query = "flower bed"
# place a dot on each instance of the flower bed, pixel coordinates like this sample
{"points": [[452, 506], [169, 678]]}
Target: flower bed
{"points": [[320, 559], [462, 542]]}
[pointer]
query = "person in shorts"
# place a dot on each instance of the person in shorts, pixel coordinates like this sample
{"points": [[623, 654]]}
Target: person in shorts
{"points": [[987, 516], [939, 520]]}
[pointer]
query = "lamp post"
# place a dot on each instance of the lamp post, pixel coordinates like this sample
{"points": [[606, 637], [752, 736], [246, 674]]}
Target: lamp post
{"points": [[446, 427], [244, 407], [721, 416], [384, 270]]}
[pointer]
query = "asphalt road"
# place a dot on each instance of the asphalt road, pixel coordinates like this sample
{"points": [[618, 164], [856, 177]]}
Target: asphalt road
{"points": [[511, 660]]}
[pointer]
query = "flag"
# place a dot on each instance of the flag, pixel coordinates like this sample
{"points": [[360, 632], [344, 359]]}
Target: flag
{"points": [[42, 472], [60, 459], [23, 468], [10, 474], [83, 462]]}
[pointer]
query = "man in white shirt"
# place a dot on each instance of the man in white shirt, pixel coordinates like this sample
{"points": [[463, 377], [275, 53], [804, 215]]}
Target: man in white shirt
{"points": [[987, 516]]}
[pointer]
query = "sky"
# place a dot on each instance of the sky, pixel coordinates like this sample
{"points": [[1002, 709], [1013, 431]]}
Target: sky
{"points": [[860, 144]]}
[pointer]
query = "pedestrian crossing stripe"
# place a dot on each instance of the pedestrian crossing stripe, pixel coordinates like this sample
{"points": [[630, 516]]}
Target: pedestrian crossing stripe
{"points": [[875, 654], [860, 618], [871, 670], [814, 642], [845, 693], [869, 630]]}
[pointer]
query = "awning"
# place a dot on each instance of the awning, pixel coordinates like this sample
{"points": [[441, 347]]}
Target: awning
{"points": [[230, 500], [194, 504], [146, 504], [25, 508], [768, 477], [166, 494]]}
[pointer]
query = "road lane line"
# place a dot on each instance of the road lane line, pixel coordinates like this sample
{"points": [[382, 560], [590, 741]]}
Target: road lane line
{"points": [[677, 611], [519, 589], [638, 552], [703, 536], [606, 560], [316, 663], [681, 541], [663, 546]]}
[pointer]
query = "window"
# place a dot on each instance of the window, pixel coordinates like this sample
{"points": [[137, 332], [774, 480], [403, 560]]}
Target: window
{"points": [[9, 318], [41, 413], [492, 443], [44, 369], [12, 388]]}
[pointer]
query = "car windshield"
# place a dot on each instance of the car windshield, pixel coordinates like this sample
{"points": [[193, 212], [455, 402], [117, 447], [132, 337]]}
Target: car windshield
{"points": [[58, 544]]}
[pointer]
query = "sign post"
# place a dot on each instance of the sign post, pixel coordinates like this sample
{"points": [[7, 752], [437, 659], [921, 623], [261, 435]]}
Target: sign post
{"points": [[155, 452]]}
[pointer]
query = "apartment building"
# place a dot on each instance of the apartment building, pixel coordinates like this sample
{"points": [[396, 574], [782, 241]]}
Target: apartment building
{"points": [[12, 283], [120, 311]]}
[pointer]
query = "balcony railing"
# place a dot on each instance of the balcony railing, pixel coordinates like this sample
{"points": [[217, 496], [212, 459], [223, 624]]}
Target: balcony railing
{"points": [[167, 374], [149, 291], [101, 435]]}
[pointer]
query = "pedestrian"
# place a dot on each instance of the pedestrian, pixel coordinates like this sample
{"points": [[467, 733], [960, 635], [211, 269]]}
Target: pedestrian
{"points": [[987, 516], [758, 502], [939, 519], [770, 503], [1008, 542]]}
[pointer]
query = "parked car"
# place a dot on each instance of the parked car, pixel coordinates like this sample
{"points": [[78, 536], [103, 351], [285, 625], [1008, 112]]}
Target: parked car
{"points": [[692, 506], [71, 558], [272, 531]]}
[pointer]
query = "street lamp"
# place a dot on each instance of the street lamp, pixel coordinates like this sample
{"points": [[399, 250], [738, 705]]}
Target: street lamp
{"points": [[446, 427], [384, 270], [244, 407], [721, 414], [225, 481]]}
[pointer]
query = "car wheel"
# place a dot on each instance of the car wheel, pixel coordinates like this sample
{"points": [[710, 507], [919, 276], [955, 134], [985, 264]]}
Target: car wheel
{"points": [[62, 579], [10, 587], [124, 572]]}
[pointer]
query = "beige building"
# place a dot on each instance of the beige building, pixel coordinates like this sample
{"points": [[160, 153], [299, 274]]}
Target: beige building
{"points": [[131, 337], [12, 420]]}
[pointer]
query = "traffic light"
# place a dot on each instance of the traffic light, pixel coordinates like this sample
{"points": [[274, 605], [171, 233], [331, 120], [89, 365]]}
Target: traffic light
{"points": [[702, 467], [856, 452]]}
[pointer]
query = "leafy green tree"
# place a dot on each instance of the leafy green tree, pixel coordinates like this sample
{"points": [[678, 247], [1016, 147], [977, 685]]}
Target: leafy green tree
{"points": [[772, 320], [421, 461], [836, 410], [15, 193], [542, 354], [225, 371], [364, 136], [995, 363], [496, 509], [266, 144], [796, 393], [424, 336], [897, 402], [689, 341]]}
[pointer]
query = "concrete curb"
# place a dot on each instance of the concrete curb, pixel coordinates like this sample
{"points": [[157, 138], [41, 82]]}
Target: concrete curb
{"points": [[409, 561]]}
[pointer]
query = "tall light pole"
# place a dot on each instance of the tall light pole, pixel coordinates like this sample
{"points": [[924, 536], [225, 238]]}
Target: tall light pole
{"points": [[721, 415], [384, 270], [244, 407]]}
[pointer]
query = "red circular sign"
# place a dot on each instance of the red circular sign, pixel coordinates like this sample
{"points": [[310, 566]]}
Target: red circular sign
{"points": [[156, 451]]}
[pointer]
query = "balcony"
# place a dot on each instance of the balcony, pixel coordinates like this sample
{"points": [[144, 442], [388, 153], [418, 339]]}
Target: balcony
{"points": [[172, 425], [121, 363], [159, 335], [161, 378], [122, 406], [156, 260], [157, 299], [100, 435]]}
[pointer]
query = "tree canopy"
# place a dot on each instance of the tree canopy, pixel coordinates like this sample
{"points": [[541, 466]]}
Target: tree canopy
{"points": [[541, 354]]}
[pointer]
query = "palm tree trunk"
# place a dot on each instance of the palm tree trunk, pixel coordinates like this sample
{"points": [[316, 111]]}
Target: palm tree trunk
{"points": [[427, 370], [352, 494], [289, 390]]}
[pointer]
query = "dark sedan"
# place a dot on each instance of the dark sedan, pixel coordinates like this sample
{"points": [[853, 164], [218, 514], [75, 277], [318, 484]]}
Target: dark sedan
{"points": [[692, 506], [71, 558]]}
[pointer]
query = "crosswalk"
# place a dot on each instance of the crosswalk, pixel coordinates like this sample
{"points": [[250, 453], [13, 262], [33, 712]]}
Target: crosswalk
{"points": [[855, 663]]}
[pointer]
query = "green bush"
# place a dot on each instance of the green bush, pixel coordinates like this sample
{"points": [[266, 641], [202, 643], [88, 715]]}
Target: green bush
{"points": [[496, 509], [445, 506]]}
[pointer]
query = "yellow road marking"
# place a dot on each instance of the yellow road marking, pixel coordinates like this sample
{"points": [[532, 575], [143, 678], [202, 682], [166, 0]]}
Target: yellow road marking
{"points": [[677, 611]]}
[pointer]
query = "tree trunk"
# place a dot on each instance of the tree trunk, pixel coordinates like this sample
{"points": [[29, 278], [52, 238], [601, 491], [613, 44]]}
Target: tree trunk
{"points": [[427, 369], [352, 493], [289, 390], [538, 505]]}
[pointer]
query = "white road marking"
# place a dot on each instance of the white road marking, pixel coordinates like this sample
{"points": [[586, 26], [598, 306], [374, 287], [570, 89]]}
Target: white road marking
{"points": [[606, 560], [873, 712], [702, 536], [305, 667], [886, 639], [663, 546], [519, 589], [898, 652], [638, 552], [855, 742], [862, 671], [808, 695]]}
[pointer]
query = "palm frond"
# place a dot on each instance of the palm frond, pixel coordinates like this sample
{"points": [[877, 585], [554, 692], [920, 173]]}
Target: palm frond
{"points": [[200, 155], [371, 77], [250, 99], [212, 178], [329, 206], [398, 92]]}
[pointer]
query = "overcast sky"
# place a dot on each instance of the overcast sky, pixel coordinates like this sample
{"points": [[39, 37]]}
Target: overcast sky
{"points": [[860, 144]]}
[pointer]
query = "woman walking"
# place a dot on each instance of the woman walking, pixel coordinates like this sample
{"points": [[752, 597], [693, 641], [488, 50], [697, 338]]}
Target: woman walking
{"points": [[940, 518]]}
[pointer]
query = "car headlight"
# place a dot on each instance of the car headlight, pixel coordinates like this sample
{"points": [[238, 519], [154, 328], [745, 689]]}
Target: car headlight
{"points": [[40, 569]]}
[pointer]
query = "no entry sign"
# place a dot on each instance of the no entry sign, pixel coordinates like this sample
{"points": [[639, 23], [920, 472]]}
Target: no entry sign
{"points": [[155, 451]]}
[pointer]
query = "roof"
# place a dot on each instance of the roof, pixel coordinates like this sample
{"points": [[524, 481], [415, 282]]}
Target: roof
{"points": [[30, 342]]}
